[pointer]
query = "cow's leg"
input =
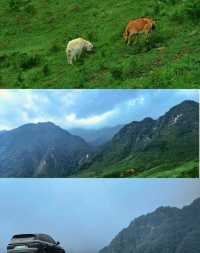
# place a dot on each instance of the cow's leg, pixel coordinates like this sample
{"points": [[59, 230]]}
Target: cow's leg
{"points": [[135, 38], [132, 38], [147, 34]]}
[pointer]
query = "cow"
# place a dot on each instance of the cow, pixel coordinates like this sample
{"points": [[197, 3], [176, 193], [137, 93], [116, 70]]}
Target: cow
{"points": [[137, 26], [76, 47]]}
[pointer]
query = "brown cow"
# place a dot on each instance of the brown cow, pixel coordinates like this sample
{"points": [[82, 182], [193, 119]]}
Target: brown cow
{"points": [[137, 26]]}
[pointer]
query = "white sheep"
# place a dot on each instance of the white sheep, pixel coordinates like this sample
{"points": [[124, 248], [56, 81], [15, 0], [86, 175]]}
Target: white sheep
{"points": [[75, 48]]}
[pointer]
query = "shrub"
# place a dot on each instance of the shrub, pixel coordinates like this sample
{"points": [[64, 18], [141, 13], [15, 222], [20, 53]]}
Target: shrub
{"points": [[192, 10], [29, 61], [188, 10], [16, 5], [116, 73], [45, 70], [4, 60], [30, 9]]}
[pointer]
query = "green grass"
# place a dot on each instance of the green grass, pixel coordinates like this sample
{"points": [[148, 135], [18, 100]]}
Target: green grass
{"points": [[189, 169], [34, 35], [186, 170]]}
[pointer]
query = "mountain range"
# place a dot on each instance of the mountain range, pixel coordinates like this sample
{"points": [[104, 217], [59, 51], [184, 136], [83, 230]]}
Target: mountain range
{"points": [[140, 146], [166, 230], [165, 147]]}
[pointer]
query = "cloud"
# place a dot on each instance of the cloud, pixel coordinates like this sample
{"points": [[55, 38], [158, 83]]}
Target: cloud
{"points": [[136, 101], [86, 108], [73, 121]]}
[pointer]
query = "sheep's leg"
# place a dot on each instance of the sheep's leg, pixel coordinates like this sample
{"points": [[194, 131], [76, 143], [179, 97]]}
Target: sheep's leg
{"points": [[79, 54], [69, 58]]}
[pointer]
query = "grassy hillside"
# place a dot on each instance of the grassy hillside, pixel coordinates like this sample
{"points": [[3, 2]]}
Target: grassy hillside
{"points": [[34, 35], [188, 169]]}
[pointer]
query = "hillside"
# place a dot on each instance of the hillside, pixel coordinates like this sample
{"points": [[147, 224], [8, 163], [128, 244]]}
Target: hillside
{"points": [[40, 150], [166, 230], [34, 35], [151, 147]]}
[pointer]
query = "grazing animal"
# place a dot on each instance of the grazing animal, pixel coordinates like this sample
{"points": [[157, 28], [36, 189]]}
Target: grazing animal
{"points": [[137, 26], [75, 48]]}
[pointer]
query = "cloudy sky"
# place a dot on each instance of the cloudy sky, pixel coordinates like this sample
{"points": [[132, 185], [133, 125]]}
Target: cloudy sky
{"points": [[86, 108], [84, 214]]}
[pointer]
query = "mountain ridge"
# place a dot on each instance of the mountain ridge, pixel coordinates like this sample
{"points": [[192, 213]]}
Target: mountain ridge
{"points": [[167, 229], [150, 142]]}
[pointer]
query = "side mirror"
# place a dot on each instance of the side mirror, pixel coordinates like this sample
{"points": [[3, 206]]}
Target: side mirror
{"points": [[57, 243]]}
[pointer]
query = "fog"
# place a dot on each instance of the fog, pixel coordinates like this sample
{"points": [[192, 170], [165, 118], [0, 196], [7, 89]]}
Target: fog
{"points": [[84, 214]]}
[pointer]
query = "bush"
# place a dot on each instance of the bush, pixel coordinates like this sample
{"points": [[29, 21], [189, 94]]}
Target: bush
{"points": [[188, 10], [45, 70], [22, 5], [192, 10], [116, 73], [28, 61]]}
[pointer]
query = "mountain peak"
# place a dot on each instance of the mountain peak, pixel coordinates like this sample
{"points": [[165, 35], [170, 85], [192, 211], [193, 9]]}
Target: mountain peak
{"points": [[41, 149]]}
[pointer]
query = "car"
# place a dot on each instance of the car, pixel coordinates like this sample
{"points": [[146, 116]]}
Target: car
{"points": [[34, 243]]}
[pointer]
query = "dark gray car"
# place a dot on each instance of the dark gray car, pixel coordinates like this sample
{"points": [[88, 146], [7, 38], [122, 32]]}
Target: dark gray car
{"points": [[33, 243]]}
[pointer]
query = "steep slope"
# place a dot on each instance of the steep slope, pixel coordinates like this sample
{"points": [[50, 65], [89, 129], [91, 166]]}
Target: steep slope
{"points": [[34, 35], [96, 137], [39, 150], [166, 230], [168, 141]]}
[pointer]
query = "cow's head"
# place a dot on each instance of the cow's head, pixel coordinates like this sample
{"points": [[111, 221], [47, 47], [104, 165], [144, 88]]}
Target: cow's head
{"points": [[88, 46]]}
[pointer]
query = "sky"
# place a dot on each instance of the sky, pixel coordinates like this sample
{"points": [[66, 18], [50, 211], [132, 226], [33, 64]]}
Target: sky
{"points": [[86, 108], [85, 214]]}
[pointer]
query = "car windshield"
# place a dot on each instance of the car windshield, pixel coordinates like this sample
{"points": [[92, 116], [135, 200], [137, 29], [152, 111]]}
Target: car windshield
{"points": [[22, 238]]}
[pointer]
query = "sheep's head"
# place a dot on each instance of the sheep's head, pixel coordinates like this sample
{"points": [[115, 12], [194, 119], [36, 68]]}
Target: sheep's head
{"points": [[88, 46]]}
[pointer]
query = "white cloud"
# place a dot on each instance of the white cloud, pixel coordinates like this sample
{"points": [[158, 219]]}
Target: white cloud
{"points": [[136, 101], [72, 120]]}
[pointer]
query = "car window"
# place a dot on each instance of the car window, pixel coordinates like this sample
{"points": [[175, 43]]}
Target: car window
{"points": [[22, 238]]}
